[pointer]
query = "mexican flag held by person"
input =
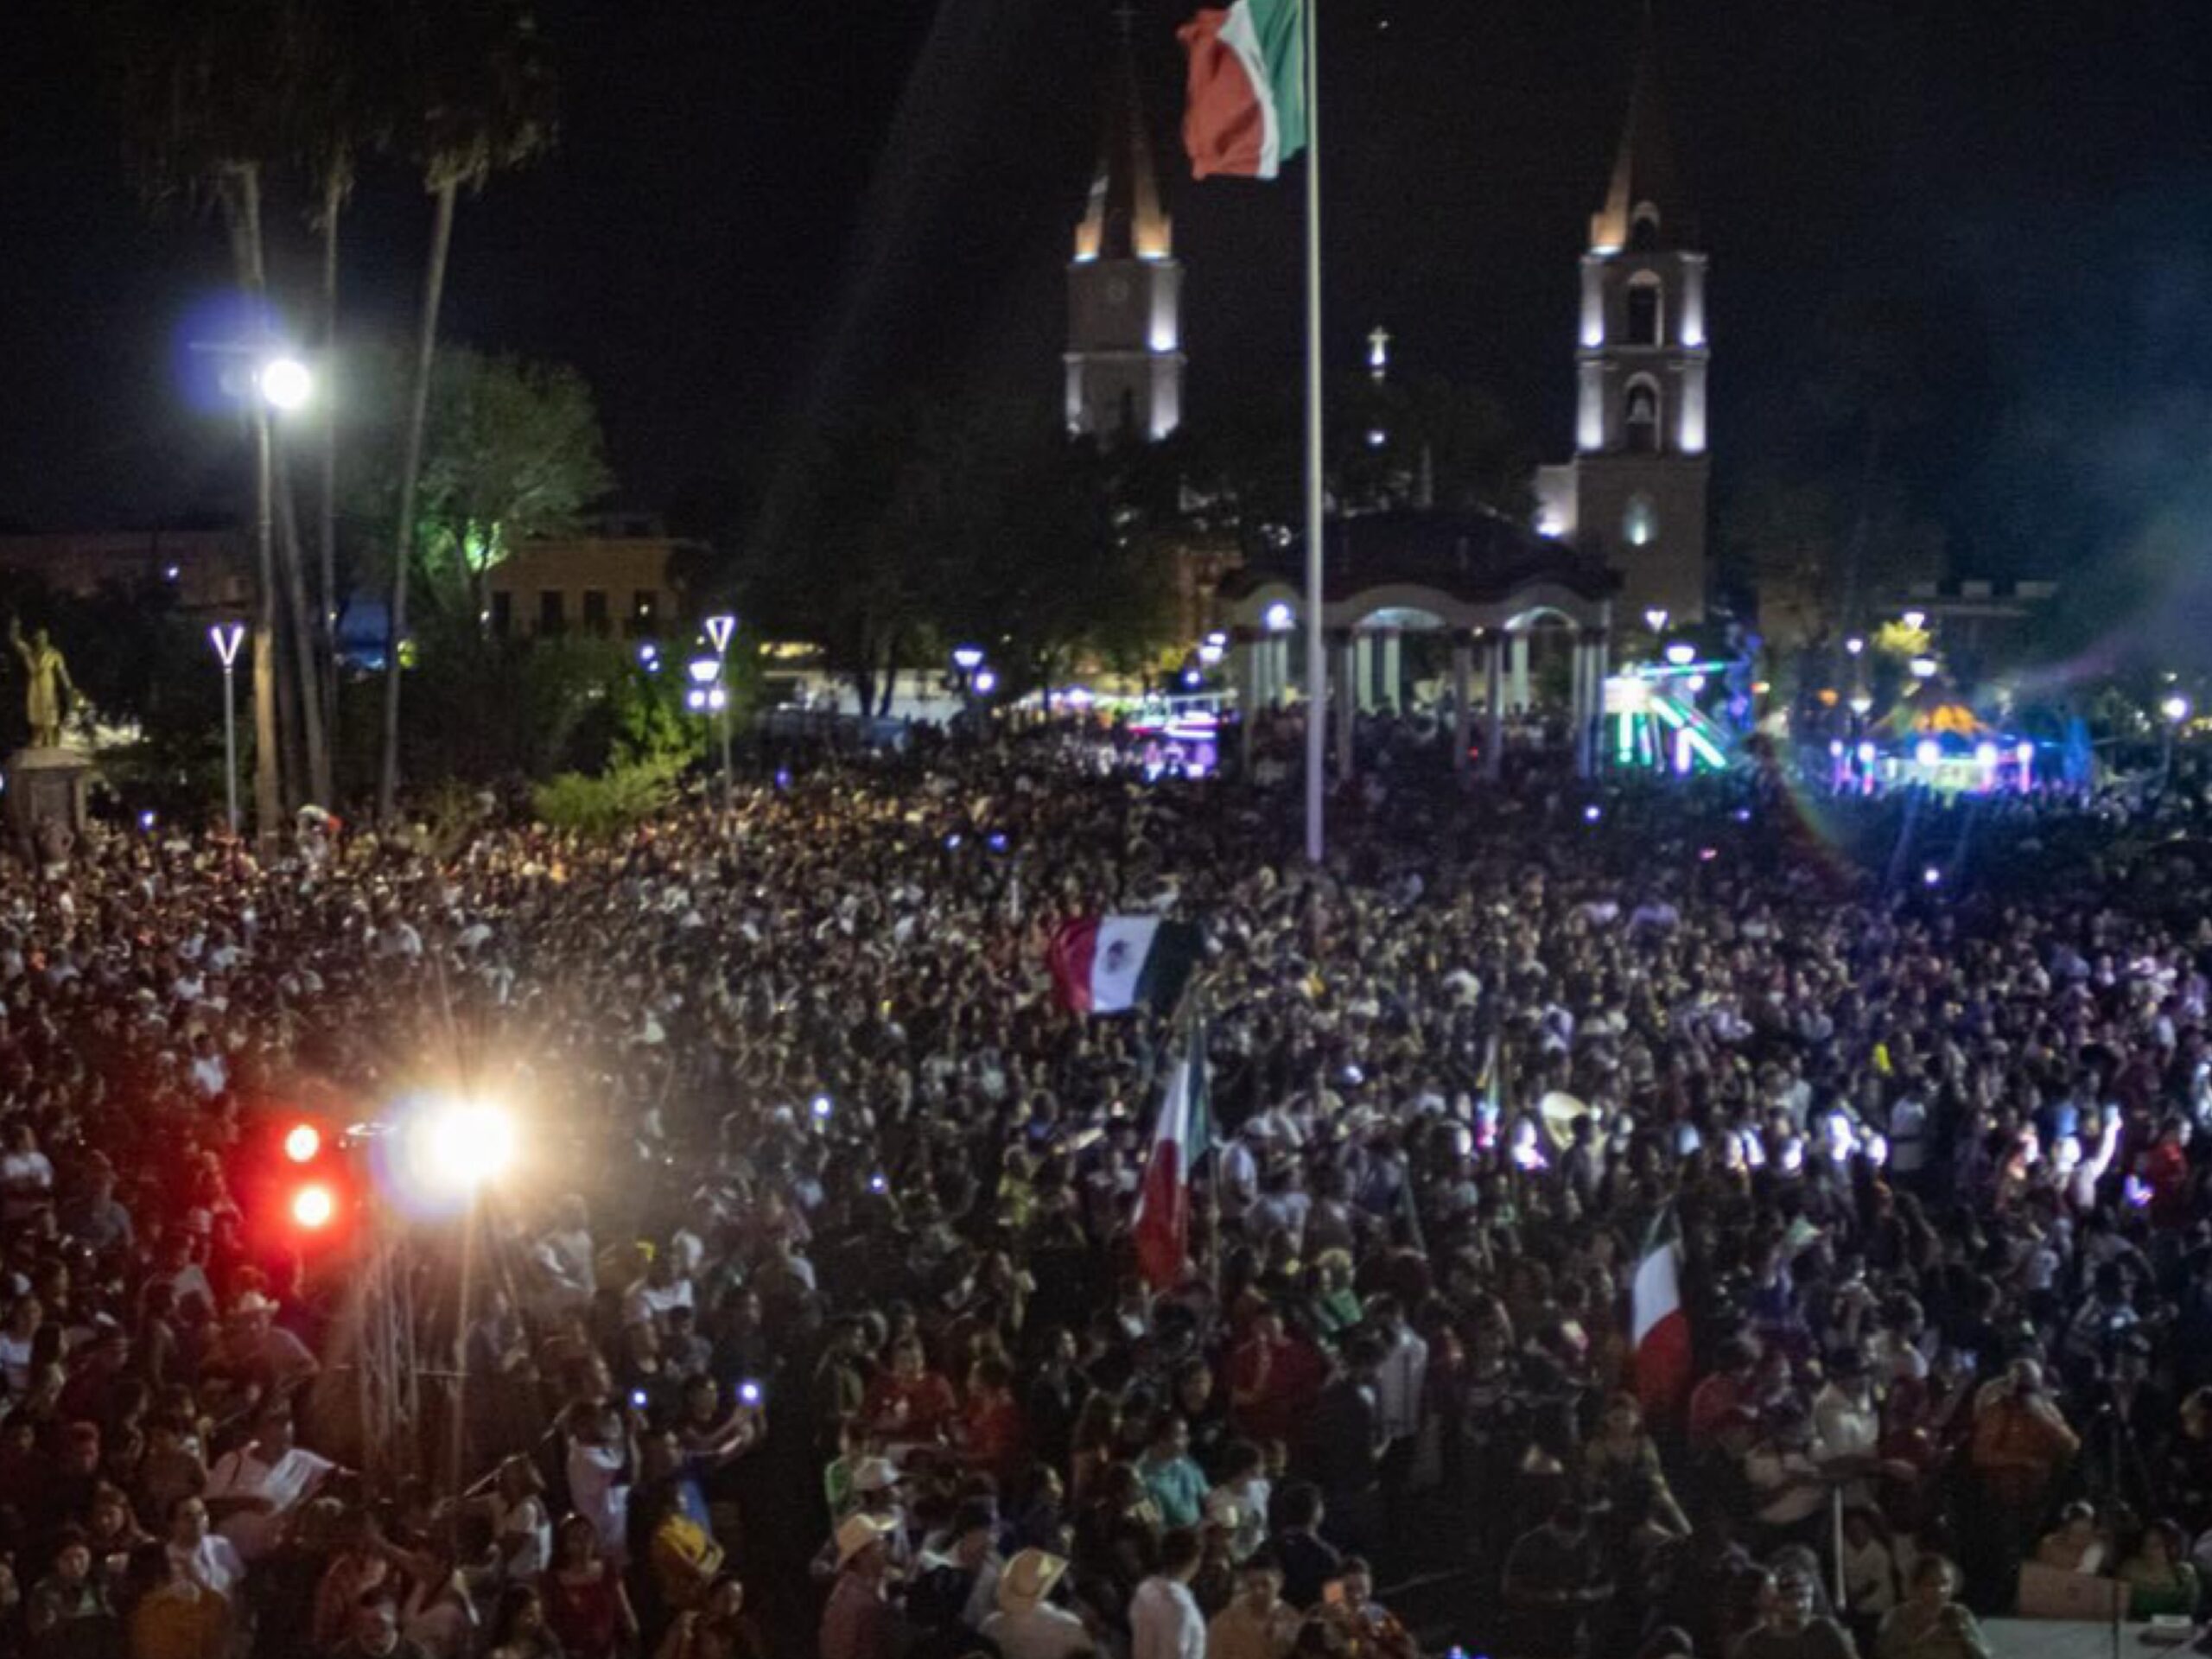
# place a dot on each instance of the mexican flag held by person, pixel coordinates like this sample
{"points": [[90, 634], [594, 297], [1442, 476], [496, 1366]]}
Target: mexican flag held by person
{"points": [[1181, 1135], [1659, 1329], [1245, 113], [1110, 964]]}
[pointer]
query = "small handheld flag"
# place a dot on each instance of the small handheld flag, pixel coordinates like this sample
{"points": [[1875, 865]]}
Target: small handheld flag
{"points": [[1110, 964], [1162, 1226]]}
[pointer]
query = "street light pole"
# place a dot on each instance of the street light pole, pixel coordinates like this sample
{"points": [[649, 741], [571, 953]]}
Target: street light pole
{"points": [[721, 629], [225, 637]]}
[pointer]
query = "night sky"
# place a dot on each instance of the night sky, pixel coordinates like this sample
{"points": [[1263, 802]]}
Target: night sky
{"points": [[760, 213]]}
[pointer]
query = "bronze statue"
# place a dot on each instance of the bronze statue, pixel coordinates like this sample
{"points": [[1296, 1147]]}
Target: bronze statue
{"points": [[48, 677]]}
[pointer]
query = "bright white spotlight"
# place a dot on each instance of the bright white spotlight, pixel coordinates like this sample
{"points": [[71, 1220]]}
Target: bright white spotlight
{"points": [[1279, 617], [470, 1143], [313, 1207], [286, 384], [1927, 752], [2175, 708]]}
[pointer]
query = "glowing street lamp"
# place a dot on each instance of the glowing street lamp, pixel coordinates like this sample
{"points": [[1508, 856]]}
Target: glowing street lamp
{"points": [[985, 681], [1209, 654], [1855, 644], [708, 696], [1923, 668], [284, 383], [2176, 709], [720, 628], [226, 637], [1278, 618], [1681, 653], [1914, 619], [1656, 619]]}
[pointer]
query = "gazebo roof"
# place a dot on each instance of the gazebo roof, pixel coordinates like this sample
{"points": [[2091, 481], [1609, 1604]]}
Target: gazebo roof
{"points": [[1473, 557]]}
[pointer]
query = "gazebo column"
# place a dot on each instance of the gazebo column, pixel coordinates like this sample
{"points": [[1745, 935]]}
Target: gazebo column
{"points": [[1494, 714], [1363, 653], [1578, 702], [1393, 680], [1517, 695], [1597, 719], [1251, 692], [1346, 696], [1463, 714]]}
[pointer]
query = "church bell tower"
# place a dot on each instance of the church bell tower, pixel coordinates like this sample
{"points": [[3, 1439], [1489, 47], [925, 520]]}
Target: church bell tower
{"points": [[1125, 287], [1635, 491]]}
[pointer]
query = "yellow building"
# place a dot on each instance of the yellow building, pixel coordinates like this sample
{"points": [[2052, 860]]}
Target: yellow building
{"points": [[609, 586]]}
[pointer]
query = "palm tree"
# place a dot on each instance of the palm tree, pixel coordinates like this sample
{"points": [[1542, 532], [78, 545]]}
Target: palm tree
{"points": [[204, 87], [341, 111], [481, 102]]}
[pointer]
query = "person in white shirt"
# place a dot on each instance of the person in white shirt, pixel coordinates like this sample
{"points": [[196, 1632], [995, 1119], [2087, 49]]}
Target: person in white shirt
{"points": [[599, 1462], [1027, 1624], [254, 1491], [206, 1559], [1403, 1374], [1165, 1622]]}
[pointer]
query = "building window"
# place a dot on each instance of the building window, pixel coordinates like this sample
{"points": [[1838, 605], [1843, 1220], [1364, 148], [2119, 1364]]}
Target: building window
{"points": [[1640, 524], [503, 613], [1641, 416], [1644, 228], [1644, 307], [552, 611], [595, 612]]}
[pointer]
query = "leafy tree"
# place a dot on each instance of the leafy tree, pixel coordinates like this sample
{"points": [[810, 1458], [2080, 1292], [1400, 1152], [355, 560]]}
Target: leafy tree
{"points": [[869, 533], [926, 522], [512, 450]]}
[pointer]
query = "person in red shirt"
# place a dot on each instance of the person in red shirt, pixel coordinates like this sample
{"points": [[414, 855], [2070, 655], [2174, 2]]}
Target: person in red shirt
{"points": [[993, 1435], [2165, 1172], [1724, 1391], [1274, 1376], [907, 1402]]}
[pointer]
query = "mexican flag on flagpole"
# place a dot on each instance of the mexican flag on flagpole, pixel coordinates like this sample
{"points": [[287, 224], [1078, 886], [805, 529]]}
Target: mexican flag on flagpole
{"points": [[1180, 1138], [1659, 1329], [1246, 112]]}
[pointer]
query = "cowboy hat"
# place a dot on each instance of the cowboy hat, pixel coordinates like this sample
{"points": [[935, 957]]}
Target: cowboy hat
{"points": [[876, 1475], [251, 1303], [856, 1532], [1028, 1578]]}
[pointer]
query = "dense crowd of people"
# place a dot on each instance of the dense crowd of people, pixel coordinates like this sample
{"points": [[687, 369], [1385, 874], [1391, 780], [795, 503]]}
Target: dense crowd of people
{"points": [[809, 1321]]}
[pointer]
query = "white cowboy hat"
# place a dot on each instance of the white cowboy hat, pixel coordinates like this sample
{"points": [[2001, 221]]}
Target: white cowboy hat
{"points": [[856, 1532], [876, 1475], [1028, 1578]]}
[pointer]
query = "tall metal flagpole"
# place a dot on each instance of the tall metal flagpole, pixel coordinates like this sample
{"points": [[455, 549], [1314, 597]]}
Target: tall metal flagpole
{"points": [[1317, 660]]}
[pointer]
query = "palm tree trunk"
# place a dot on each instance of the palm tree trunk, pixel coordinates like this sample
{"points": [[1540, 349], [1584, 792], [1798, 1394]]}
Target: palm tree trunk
{"points": [[333, 197], [314, 780], [434, 285], [241, 197]]}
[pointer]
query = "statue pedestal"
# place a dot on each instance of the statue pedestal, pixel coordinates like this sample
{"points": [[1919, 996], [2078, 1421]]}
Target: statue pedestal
{"points": [[46, 791]]}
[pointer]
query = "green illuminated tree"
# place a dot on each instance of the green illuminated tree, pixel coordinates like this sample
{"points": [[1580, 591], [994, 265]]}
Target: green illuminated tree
{"points": [[511, 449]]}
